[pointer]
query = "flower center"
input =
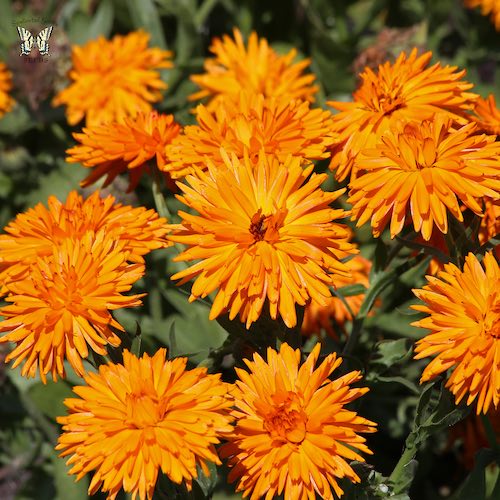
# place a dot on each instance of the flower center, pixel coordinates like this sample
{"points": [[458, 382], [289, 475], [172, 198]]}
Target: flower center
{"points": [[266, 227], [287, 421], [143, 410]]}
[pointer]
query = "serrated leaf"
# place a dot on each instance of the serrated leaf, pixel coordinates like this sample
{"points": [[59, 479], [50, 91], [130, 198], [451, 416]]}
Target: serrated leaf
{"points": [[389, 352]]}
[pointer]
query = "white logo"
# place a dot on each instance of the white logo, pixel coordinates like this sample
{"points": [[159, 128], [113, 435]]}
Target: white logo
{"points": [[41, 40]]}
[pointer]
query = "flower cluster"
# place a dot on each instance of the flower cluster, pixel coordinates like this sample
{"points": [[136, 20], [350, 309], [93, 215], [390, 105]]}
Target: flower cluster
{"points": [[262, 236], [63, 269]]}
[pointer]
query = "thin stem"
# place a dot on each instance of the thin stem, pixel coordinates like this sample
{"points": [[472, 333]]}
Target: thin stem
{"points": [[404, 462], [161, 204]]}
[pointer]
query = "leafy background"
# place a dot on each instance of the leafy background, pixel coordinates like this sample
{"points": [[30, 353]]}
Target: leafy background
{"points": [[340, 37]]}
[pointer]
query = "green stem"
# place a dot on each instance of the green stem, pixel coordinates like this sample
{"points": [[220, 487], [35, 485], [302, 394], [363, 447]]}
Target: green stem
{"points": [[161, 204], [405, 461]]}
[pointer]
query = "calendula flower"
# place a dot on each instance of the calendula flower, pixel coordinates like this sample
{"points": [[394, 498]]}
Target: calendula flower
{"points": [[115, 148], [487, 115], [335, 313], [62, 307], [490, 224], [405, 90], [262, 231], [293, 435], [33, 233], [463, 310], [148, 414], [424, 167], [113, 79], [488, 7], [6, 101], [257, 68], [247, 124]]}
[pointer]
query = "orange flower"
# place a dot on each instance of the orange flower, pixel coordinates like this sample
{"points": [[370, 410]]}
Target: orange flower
{"points": [[62, 307], [248, 124], [293, 435], [262, 232], [487, 115], [117, 147], [34, 233], [426, 165], [491, 7], [6, 101], [113, 79], [318, 317], [490, 224], [405, 90], [257, 68], [464, 319], [147, 414]]}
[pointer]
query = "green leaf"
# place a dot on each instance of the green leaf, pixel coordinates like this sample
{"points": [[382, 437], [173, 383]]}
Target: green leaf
{"points": [[48, 398], [102, 22], [389, 352], [475, 484], [351, 290], [66, 485], [144, 14]]}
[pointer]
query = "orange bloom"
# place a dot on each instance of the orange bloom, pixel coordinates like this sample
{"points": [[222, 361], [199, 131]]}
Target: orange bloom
{"points": [[113, 79], [147, 414], [490, 224], [6, 101], [426, 165], [246, 125], [487, 115], [464, 319], [34, 233], [318, 317], [293, 435], [405, 90], [491, 7], [263, 231], [117, 147], [62, 307], [257, 68]]}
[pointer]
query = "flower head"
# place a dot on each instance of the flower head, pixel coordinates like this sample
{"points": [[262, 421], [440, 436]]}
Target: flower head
{"points": [[463, 310], [487, 115], [491, 7], [134, 419], [34, 233], [6, 101], [257, 68], [293, 434], [426, 165], [114, 148], [490, 223], [405, 90], [318, 317], [248, 124], [263, 231], [113, 79], [62, 307]]}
